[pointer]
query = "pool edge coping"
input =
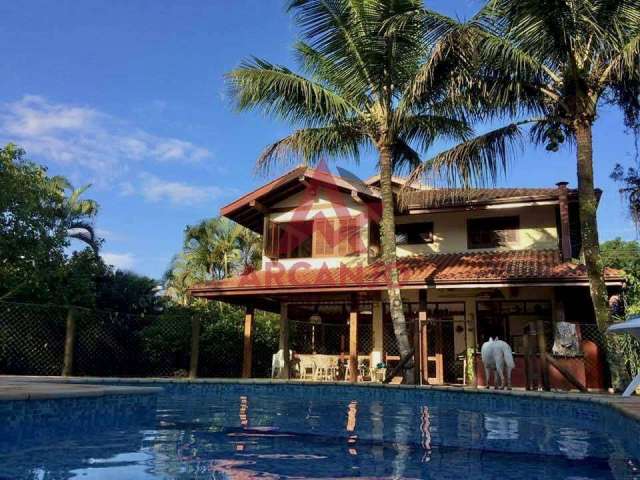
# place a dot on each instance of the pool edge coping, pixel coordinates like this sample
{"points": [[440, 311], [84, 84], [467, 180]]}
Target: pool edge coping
{"points": [[629, 407]]}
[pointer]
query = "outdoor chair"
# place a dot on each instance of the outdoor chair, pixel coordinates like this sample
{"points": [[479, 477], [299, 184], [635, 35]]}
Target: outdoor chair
{"points": [[277, 362], [308, 367]]}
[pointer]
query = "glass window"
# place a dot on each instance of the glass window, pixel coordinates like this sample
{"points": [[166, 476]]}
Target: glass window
{"points": [[492, 232], [414, 233]]}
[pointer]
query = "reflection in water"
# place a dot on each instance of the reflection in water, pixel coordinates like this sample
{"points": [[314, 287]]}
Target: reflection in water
{"points": [[352, 414], [248, 435], [401, 430], [573, 443], [425, 430], [500, 428]]}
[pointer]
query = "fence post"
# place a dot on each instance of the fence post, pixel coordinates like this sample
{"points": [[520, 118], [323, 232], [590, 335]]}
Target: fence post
{"points": [[195, 346], [69, 342]]}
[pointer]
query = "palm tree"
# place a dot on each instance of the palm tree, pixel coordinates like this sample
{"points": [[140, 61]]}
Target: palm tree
{"points": [[559, 61], [355, 94], [79, 213], [221, 247], [180, 277]]}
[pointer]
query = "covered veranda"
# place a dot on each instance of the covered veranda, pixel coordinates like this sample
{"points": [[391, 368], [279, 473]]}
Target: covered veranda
{"points": [[335, 322]]}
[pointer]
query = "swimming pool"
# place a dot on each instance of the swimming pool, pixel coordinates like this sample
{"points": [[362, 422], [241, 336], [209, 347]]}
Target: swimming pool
{"points": [[222, 430]]}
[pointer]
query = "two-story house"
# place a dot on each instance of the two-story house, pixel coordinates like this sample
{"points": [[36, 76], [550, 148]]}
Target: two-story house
{"points": [[472, 264]]}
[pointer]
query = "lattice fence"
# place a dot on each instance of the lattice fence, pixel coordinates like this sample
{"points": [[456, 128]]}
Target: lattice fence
{"points": [[32, 339]]}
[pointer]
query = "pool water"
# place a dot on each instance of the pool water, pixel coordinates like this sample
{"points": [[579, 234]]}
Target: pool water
{"points": [[277, 431]]}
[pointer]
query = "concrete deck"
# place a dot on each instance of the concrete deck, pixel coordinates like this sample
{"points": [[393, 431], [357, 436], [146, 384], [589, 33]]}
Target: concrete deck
{"points": [[31, 388], [25, 387]]}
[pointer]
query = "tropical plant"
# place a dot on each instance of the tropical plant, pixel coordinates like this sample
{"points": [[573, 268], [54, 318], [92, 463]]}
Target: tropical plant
{"points": [[32, 229], [630, 190], [553, 63], [79, 214], [355, 93], [180, 277], [220, 247]]}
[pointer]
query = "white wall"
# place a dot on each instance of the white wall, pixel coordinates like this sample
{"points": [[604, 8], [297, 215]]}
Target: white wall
{"points": [[537, 229]]}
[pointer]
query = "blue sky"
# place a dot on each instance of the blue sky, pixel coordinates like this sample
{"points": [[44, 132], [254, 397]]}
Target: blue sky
{"points": [[129, 95]]}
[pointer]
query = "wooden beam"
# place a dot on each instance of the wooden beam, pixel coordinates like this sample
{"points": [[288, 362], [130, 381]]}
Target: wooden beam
{"points": [[284, 341], [356, 197], [195, 347], [353, 340], [403, 361], [303, 180], [565, 373], [247, 358], [259, 206]]}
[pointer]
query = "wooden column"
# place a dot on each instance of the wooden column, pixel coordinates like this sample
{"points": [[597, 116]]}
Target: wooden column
{"points": [[565, 230], [542, 349], [378, 334], [424, 339], [247, 358], [418, 357], [69, 343], [353, 341], [284, 342], [195, 347]]}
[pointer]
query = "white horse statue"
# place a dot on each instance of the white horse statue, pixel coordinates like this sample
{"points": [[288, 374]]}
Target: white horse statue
{"points": [[496, 355]]}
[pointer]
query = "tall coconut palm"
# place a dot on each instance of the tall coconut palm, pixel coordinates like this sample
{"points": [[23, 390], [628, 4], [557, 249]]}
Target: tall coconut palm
{"points": [[354, 94], [560, 61]]}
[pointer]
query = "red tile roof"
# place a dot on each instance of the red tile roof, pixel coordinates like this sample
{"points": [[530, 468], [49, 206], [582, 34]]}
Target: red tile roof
{"points": [[447, 198], [508, 267]]}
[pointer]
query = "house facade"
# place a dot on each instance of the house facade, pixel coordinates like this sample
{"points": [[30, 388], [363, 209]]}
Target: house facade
{"points": [[473, 264]]}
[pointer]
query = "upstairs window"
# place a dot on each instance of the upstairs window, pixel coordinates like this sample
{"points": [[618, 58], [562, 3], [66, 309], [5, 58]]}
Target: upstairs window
{"points": [[314, 238], [288, 240], [414, 233], [337, 237], [492, 232]]}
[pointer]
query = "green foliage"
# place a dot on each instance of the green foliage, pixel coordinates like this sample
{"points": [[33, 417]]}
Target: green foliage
{"points": [[166, 342], [32, 228], [625, 255], [364, 85], [213, 249], [37, 219], [127, 292]]}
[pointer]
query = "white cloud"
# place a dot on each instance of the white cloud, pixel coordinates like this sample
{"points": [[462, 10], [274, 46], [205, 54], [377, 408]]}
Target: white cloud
{"points": [[154, 189], [121, 261], [87, 139]]}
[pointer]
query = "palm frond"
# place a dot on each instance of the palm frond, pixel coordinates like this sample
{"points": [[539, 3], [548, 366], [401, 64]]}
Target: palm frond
{"points": [[84, 231], [478, 161], [277, 91], [310, 145]]}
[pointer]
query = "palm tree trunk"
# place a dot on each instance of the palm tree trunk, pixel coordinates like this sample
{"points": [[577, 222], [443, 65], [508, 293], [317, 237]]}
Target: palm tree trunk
{"points": [[388, 241], [589, 225], [590, 241]]}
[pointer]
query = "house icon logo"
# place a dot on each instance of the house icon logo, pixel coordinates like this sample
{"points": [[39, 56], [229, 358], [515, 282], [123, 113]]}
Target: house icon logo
{"points": [[326, 233]]}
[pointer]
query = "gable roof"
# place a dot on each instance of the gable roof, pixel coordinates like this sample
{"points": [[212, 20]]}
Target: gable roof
{"points": [[249, 209], [517, 267]]}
